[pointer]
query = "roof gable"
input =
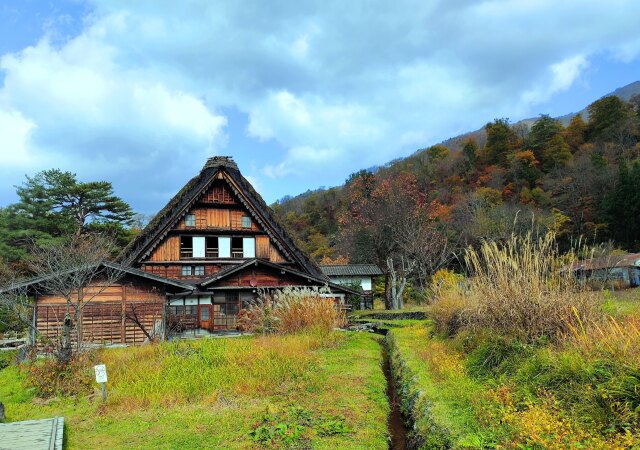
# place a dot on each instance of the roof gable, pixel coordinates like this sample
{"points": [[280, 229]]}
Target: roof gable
{"points": [[216, 168]]}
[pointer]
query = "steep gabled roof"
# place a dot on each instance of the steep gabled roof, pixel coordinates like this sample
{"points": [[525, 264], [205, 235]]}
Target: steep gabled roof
{"points": [[348, 270], [163, 222]]}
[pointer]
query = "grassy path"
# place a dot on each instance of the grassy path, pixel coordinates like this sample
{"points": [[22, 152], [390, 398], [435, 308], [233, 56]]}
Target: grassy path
{"points": [[263, 392]]}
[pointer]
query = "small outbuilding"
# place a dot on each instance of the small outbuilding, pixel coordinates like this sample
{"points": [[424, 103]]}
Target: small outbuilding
{"points": [[617, 271], [354, 274]]}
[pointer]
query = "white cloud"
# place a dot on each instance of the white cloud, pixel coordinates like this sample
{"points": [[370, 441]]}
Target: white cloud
{"points": [[333, 84], [15, 131], [563, 75]]}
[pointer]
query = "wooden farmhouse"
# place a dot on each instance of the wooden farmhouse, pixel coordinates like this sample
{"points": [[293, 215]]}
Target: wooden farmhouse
{"points": [[204, 257]]}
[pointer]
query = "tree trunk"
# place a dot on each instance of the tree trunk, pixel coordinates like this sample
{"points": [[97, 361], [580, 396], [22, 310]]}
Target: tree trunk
{"points": [[65, 352], [400, 300], [387, 290]]}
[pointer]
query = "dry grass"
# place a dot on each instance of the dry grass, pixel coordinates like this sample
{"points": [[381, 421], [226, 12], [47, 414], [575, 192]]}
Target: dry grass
{"points": [[293, 310], [517, 288], [612, 338]]}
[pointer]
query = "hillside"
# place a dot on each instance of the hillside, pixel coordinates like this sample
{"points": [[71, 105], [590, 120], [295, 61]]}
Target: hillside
{"points": [[455, 143], [577, 174]]}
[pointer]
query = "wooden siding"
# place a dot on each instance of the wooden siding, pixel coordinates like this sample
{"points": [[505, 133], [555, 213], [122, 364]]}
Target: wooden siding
{"points": [[261, 277], [105, 317], [215, 218], [275, 256], [262, 247], [168, 250], [175, 270]]}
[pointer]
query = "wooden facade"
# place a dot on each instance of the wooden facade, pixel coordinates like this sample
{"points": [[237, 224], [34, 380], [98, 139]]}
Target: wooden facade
{"points": [[198, 262]]}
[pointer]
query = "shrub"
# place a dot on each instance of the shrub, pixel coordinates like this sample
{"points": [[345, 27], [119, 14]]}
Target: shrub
{"points": [[518, 289], [446, 313], [292, 310], [50, 377]]}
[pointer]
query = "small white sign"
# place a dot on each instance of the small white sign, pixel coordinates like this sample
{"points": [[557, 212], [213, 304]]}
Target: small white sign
{"points": [[101, 373]]}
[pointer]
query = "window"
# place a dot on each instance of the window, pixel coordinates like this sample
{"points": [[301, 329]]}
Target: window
{"points": [[190, 220], [204, 313], [198, 271], [249, 247], [224, 247], [212, 247], [236, 247], [199, 246], [186, 247], [186, 271], [246, 222]]}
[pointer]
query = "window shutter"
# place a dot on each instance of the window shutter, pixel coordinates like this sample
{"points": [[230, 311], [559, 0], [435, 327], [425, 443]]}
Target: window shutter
{"points": [[224, 247], [249, 247], [198, 247]]}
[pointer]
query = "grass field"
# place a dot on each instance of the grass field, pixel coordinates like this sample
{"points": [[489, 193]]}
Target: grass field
{"points": [[487, 391], [296, 391]]}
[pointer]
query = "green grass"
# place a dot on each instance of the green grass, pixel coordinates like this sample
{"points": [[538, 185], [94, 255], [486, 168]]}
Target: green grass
{"points": [[276, 391], [444, 397], [483, 391]]}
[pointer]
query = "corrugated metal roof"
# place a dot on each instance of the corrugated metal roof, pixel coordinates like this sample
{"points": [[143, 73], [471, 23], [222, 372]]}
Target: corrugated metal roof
{"points": [[627, 260], [337, 270]]}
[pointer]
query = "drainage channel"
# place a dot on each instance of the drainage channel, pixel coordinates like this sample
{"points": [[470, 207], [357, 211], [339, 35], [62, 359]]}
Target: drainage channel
{"points": [[395, 423]]}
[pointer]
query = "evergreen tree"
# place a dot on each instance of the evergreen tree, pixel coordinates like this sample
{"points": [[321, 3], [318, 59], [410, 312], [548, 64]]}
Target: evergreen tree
{"points": [[622, 207], [54, 205], [501, 141]]}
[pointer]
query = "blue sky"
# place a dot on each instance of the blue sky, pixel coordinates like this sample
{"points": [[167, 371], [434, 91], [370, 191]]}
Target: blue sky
{"points": [[301, 94]]}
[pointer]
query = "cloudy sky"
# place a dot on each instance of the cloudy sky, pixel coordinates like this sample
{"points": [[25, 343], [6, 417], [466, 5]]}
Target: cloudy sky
{"points": [[301, 94]]}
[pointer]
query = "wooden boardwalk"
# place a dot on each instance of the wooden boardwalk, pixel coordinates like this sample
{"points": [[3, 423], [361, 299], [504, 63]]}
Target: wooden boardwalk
{"points": [[45, 434]]}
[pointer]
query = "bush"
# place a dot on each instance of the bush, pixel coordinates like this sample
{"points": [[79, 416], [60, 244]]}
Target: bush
{"points": [[292, 310], [52, 378], [518, 289], [446, 313]]}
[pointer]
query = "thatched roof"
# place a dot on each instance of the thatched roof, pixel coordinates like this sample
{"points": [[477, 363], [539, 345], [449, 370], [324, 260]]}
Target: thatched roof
{"points": [[168, 216]]}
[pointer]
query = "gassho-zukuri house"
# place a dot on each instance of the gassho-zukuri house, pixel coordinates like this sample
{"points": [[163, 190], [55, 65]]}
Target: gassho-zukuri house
{"points": [[203, 257]]}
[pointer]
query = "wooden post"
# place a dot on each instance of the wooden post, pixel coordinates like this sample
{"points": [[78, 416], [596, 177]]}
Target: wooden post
{"points": [[123, 324], [104, 392]]}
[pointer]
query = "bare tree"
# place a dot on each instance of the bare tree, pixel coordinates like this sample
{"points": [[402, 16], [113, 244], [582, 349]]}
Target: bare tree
{"points": [[399, 273], [424, 242], [16, 307], [74, 271]]}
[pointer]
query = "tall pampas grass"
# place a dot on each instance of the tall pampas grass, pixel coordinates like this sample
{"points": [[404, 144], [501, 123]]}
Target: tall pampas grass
{"points": [[523, 288]]}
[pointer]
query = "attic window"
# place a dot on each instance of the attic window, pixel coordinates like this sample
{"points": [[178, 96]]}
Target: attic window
{"points": [[190, 220], [246, 222]]}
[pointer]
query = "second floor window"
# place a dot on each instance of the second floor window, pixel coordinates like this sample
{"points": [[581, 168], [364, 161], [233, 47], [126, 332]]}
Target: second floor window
{"points": [[246, 222], [190, 220], [186, 271]]}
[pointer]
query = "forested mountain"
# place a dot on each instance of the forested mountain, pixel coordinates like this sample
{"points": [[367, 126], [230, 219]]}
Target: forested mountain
{"points": [[580, 177]]}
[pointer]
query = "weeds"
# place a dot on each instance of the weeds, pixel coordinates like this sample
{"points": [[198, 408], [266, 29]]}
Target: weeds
{"points": [[293, 310], [518, 289]]}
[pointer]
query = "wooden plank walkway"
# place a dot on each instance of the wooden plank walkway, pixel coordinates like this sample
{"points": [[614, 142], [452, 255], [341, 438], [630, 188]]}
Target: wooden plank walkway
{"points": [[45, 434]]}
